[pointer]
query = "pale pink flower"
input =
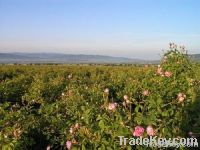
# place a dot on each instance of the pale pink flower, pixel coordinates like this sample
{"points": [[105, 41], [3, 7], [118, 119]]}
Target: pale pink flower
{"points": [[150, 131], [106, 90], [168, 74], [48, 147], [138, 131], [71, 130], [125, 97], [145, 93], [191, 134], [164, 59], [69, 76], [112, 106], [181, 97], [128, 101], [77, 126], [159, 71], [69, 145], [124, 104]]}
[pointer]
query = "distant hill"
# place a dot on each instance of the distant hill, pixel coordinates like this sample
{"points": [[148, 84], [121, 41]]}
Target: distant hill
{"points": [[195, 57], [23, 58], [64, 58]]}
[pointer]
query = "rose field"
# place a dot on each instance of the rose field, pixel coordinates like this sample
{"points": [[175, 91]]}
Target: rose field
{"points": [[89, 106]]}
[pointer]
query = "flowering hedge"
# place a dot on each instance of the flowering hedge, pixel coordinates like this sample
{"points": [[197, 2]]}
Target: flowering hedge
{"points": [[88, 107]]}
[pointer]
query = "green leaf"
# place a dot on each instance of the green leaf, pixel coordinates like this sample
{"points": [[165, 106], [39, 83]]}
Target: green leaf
{"points": [[83, 147], [101, 124]]}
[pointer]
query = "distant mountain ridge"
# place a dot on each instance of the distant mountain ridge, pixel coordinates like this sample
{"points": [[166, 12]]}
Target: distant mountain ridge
{"points": [[63, 58], [23, 58], [195, 57]]}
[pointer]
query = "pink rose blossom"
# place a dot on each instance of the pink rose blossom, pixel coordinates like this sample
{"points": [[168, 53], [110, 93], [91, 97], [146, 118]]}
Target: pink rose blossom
{"points": [[77, 126], [106, 90], [138, 131], [165, 58], [159, 71], [150, 131], [180, 94], [145, 92], [112, 106], [181, 97], [124, 104], [125, 97], [168, 74], [48, 147], [69, 76], [128, 101], [69, 145], [191, 134], [71, 130]]}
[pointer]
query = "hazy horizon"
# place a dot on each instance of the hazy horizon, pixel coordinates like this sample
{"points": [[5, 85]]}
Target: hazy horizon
{"points": [[132, 29]]}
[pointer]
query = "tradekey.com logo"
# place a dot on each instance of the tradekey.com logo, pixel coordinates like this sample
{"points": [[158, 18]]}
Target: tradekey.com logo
{"points": [[159, 142]]}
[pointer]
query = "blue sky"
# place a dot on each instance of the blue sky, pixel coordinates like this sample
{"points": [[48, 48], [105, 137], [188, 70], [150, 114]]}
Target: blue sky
{"points": [[128, 28]]}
